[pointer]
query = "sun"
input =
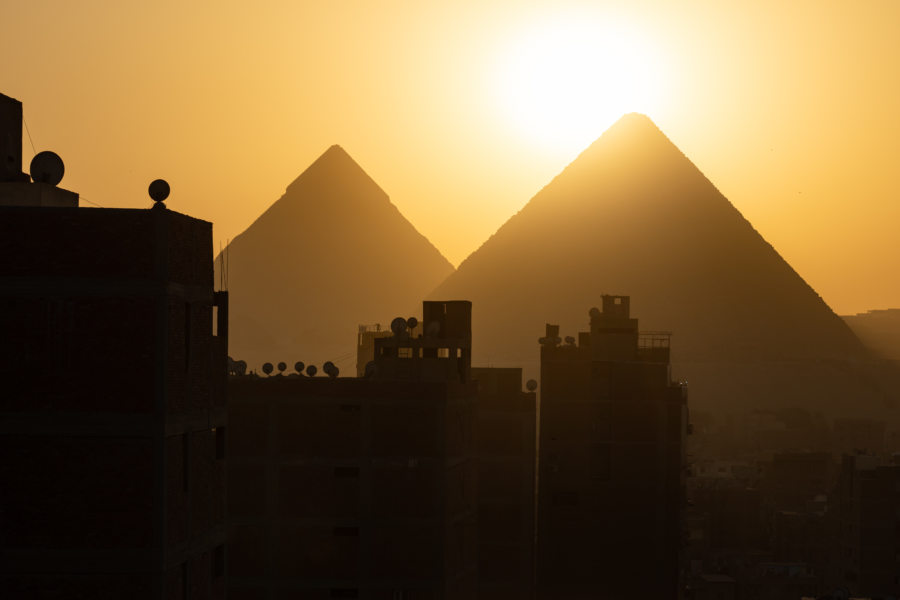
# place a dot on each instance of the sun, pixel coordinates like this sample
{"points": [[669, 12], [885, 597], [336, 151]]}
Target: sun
{"points": [[562, 83]]}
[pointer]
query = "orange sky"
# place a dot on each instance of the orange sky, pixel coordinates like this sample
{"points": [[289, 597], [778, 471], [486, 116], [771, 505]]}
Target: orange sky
{"points": [[790, 110]]}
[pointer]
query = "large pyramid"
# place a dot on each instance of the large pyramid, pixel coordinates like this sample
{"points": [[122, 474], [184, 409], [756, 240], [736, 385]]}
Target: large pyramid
{"points": [[330, 254], [632, 215]]}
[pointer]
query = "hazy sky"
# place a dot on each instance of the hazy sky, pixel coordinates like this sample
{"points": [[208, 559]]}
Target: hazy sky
{"points": [[461, 111]]}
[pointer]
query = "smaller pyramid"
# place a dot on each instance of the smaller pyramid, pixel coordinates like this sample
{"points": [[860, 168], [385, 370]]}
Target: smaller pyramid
{"points": [[332, 253]]}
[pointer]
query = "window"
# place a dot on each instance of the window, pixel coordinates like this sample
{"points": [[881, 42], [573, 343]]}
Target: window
{"points": [[185, 460], [215, 320], [345, 472], [218, 561], [443, 352], [187, 335], [220, 442], [404, 352]]}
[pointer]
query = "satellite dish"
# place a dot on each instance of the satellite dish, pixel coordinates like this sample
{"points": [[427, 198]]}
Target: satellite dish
{"points": [[298, 366], [531, 385], [412, 322], [159, 190], [594, 312], [330, 369], [432, 329], [570, 340], [267, 368], [281, 367], [311, 370], [398, 326], [240, 367], [371, 369], [47, 167]]}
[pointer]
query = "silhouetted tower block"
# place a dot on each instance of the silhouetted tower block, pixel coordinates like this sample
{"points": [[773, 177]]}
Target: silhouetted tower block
{"points": [[358, 487], [442, 352], [866, 547], [506, 442], [611, 463], [112, 353]]}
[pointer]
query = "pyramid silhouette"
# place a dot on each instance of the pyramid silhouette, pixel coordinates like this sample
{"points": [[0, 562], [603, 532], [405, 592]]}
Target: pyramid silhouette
{"points": [[332, 253], [633, 216]]}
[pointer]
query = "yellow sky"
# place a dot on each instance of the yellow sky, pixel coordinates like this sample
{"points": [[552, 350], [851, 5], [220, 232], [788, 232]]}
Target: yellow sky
{"points": [[791, 109]]}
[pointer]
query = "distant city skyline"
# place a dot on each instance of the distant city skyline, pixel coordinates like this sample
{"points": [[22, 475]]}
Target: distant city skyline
{"points": [[788, 110]]}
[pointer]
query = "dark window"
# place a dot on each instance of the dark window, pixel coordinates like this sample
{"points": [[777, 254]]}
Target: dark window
{"points": [[565, 499], [218, 561], [220, 442], [215, 320], [346, 471], [600, 462], [187, 335], [185, 459]]}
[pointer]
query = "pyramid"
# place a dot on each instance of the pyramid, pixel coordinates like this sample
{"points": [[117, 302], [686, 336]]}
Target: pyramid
{"points": [[633, 216], [332, 253]]}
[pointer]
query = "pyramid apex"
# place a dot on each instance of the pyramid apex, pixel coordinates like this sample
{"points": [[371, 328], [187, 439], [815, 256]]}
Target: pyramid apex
{"points": [[634, 119]]}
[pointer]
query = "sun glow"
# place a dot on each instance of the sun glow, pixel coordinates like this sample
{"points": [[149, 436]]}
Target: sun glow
{"points": [[563, 83]]}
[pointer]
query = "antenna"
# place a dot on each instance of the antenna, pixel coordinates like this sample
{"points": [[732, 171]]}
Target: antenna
{"points": [[298, 366], [531, 385], [371, 370], [311, 370], [267, 368], [47, 167], [159, 190]]}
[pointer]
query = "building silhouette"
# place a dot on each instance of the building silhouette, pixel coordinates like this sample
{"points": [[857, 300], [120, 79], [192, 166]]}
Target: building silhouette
{"points": [[506, 445], [611, 465], [865, 515], [359, 487], [112, 352]]}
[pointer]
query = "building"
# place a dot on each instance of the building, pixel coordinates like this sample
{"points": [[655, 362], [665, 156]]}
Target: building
{"points": [[866, 520], [611, 462], [112, 353], [506, 440], [359, 487]]}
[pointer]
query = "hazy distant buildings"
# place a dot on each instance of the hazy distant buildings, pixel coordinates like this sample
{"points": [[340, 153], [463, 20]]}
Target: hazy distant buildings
{"points": [[112, 354], [611, 465], [359, 488]]}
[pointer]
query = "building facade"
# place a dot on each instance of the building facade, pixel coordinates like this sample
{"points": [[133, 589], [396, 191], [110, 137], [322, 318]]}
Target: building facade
{"points": [[611, 462], [359, 487], [506, 446], [112, 352]]}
